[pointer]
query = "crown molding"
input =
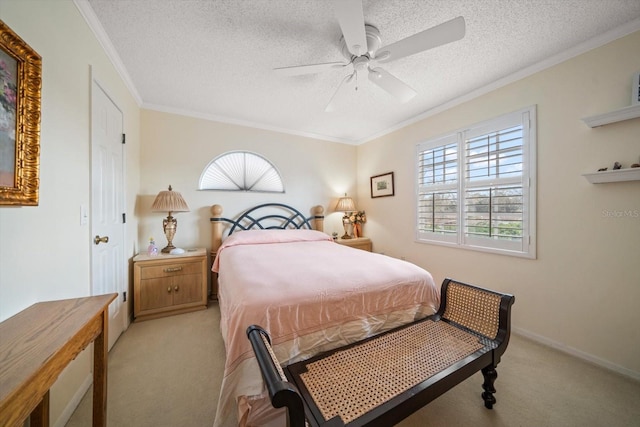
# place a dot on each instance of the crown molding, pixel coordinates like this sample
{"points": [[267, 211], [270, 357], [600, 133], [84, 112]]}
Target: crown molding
{"points": [[96, 27], [92, 20], [245, 123], [593, 43]]}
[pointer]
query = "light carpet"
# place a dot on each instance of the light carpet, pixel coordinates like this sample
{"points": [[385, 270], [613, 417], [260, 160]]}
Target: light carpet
{"points": [[167, 373]]}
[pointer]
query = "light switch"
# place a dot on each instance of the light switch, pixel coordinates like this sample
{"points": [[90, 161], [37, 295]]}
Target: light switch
{"points": [[84, 215]]}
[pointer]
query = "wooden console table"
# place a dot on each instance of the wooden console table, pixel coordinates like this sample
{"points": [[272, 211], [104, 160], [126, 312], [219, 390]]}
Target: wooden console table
{"points": [[38, 343]]}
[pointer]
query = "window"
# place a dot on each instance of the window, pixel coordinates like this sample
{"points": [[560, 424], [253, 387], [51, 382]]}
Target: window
{"points": [[476, 186], [241, 171]]}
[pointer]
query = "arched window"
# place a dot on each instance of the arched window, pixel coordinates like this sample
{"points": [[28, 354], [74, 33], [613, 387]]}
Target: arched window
{"points": [[241, 171]]}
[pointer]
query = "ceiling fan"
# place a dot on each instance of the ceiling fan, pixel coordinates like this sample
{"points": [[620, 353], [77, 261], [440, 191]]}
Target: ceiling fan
{"points": [[360, 45]]}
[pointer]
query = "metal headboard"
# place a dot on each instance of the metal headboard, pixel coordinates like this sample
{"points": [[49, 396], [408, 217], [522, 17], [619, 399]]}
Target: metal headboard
{"points": [[270, 216]]}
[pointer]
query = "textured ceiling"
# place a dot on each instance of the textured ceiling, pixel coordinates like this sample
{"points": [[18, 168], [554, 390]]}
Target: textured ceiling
{"points": [[214, 58]]}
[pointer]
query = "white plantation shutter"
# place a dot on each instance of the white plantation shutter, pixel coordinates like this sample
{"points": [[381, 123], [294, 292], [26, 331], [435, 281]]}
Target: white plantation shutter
{"points": [[476, 188], [438, 189], [495, 155], [241, 171]]}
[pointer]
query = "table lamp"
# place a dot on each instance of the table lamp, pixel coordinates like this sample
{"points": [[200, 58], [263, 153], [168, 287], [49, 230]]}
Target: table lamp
{"points": [[169, 201], [346, 205]]}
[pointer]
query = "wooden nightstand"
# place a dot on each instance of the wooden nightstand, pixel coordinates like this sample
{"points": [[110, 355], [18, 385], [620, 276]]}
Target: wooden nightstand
{"points": [[169, 284], [363, 243]]}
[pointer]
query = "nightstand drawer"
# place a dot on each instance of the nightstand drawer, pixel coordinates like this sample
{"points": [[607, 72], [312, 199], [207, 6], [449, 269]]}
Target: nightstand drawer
{"points": [[169, 270], [363, 243]]}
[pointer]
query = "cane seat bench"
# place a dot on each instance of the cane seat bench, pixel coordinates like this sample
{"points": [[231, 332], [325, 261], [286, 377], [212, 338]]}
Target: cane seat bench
{"points": [[385, 378]]}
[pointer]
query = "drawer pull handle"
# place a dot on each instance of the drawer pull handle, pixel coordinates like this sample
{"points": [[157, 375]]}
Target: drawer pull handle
{"points": [[177, 288], [172, 269], [169, 289]]}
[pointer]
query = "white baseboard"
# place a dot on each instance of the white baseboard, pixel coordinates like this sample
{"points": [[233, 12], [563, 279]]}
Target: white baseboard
{"points": [[578, 353], [74, 402]]}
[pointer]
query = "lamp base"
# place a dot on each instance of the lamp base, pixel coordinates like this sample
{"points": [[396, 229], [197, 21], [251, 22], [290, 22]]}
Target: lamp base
{"points": [[167, 249], [345, 225], [169, 226]]}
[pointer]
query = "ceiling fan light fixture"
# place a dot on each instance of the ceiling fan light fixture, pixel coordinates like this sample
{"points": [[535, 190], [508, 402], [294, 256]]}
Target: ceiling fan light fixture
{"points": [[361, 63]]}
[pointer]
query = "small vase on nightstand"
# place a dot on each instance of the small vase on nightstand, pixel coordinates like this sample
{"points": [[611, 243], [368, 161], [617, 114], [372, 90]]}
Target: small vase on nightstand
{"points": [[357, 230]]}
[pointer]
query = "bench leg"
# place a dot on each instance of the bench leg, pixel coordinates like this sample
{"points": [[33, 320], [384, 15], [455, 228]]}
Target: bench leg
{"points": [[489, 373]]}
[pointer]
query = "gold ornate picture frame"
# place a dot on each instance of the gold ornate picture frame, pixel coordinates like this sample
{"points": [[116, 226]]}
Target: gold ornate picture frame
{"points": [[20, 91]]}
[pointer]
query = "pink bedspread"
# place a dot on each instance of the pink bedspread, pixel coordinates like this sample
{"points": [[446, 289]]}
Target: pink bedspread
{"points": [[298, 283]]}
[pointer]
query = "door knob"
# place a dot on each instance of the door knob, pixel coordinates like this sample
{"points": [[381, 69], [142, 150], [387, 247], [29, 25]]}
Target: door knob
{"points": [[99, 239]]}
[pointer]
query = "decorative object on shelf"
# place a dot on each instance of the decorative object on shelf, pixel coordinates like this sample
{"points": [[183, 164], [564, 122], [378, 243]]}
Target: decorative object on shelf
{"points": [[635, 89], [20, 86], [602, 169], [635, 165], [617, 166], [382, 185], [357, 219], [346, 205], [169, 201]]}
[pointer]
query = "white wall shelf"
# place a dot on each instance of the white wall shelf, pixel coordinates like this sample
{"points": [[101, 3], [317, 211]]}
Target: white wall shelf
{"points": [[626, 113], [629, 174]]}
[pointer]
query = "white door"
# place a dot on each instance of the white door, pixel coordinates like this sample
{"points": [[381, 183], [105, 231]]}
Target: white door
{"points": [[107, 206]]}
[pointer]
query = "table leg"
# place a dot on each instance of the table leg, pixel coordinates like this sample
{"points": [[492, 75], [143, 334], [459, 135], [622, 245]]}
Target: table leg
{"points": [[40, 415], [100, 349]]}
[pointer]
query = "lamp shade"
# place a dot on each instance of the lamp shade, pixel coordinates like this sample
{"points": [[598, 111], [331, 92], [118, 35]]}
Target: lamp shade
{"points": [[345, 204], [169, 201]]}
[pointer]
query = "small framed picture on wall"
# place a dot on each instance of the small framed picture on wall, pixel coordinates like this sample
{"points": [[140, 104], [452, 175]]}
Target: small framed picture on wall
{"points": [[382, 185]]}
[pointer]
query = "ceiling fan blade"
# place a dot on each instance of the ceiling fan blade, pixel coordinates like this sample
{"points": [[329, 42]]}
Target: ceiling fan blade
{"points": [[444, 33], [391, 84], [298, 70], [343, 87], [351, 20]]}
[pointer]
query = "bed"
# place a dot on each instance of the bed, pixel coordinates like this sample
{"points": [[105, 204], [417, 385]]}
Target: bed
{"points": [[311, 294]]}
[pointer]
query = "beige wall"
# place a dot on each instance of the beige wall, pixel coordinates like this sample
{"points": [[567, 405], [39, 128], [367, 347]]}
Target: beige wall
{"points": [[44, 251], [176, 150], [581, 293]]}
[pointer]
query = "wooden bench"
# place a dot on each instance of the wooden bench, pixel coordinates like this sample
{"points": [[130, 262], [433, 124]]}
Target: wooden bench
{"points": [[383, 379]]}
